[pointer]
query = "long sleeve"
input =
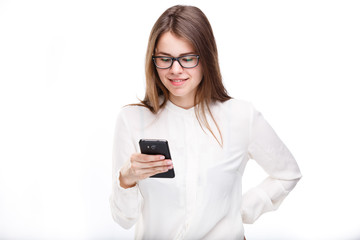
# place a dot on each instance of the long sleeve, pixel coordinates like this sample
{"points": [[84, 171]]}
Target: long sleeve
{"points": [[272, 155], [125, 204]]}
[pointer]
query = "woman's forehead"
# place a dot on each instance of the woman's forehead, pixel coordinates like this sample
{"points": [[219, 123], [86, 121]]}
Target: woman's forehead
{"points": [[172, 45]]}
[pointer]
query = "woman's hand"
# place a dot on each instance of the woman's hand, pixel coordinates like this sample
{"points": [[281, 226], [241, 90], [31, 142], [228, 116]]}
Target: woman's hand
{"points": [[141, 166]]}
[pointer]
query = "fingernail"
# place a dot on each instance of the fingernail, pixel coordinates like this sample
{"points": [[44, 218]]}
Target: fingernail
{"points": [[162, 157]]}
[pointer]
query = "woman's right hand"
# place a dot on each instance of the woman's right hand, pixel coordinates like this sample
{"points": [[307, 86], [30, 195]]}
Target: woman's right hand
{"points": [[141, 166]]}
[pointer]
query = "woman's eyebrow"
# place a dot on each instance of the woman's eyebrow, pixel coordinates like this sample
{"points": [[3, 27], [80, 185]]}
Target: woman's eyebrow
{"points": [[168, 54]]}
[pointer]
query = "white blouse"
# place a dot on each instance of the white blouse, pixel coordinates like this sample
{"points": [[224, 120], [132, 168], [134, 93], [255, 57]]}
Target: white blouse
{"points": [[205, 199]]}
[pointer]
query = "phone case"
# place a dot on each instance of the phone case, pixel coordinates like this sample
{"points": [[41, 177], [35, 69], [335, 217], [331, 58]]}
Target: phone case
{"points": [[155, 147]]}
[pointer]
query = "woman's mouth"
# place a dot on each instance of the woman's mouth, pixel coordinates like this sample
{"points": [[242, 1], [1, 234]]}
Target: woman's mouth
{"points": [[178, 81]]}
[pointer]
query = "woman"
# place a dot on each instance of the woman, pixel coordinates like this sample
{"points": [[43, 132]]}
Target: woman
{"points": [[211, 137]]}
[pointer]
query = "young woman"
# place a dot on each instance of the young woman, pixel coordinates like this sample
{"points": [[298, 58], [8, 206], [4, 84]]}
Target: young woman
{"points": [[211, 137]]}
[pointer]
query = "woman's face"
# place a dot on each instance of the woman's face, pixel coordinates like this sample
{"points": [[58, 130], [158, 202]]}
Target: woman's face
{"points": [[181, 82]]}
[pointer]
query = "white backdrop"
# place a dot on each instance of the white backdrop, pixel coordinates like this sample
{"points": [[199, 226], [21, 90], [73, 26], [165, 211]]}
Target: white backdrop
{"points": [[67, 67]]}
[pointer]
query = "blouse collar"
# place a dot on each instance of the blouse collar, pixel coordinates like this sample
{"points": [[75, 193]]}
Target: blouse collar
{"points": [[174, 108]]}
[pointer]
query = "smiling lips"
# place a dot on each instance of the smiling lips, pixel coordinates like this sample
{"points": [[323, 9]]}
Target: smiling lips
{"points": [[178, 81]]}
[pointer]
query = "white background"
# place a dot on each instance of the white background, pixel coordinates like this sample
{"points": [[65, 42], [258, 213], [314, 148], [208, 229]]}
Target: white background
{"points": [[67, 67]]}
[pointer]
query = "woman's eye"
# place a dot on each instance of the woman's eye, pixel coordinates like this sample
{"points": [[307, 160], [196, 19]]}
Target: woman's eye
{"points": [[164, 59], [187, 59]]}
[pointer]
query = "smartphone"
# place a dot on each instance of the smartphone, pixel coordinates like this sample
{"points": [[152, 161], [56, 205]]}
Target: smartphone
{"points": [[157, 147]]}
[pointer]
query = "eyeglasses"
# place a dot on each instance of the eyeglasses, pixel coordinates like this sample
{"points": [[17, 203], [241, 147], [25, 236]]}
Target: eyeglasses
{"points": [[187, 61]]}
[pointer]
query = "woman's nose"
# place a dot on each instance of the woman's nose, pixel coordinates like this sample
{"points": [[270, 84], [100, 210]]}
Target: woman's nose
{"points": [[176, 67]]}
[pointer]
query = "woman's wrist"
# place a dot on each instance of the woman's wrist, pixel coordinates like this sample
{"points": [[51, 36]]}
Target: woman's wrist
{"points": [[125, 182]]}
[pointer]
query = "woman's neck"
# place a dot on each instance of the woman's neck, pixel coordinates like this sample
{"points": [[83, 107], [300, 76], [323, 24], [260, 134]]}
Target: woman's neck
{"points": [[185, 103]]}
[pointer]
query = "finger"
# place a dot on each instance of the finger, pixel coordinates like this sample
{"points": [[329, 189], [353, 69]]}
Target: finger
{"points": [[150, 172], [150, 165], [149, 158], [161, 163]]}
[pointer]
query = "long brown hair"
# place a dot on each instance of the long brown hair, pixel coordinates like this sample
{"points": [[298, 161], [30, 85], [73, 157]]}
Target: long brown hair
{"points": [[188, 22]]}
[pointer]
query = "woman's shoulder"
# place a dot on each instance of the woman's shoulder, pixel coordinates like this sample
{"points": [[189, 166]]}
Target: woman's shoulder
{"points": [[134, 111], [237, 111], [237, 104]]}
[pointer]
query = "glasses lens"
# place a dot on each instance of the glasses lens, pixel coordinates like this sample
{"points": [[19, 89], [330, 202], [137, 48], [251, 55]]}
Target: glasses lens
{"points": [[162, 62], [189, 61]]}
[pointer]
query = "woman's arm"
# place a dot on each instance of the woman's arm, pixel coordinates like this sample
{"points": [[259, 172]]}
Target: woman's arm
{"points": [[128, 168], [272, 155], [125, 203]]}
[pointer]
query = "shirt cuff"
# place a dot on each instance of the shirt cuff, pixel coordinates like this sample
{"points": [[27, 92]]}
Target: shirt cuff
{"points": [[255, 202]]}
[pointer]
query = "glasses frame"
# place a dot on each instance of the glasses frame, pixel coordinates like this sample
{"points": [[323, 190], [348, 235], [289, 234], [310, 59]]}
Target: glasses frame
{"points": [[176, 59]]}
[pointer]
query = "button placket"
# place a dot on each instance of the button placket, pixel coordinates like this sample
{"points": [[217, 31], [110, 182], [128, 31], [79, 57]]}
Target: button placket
{"points": [[191, 172]]}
